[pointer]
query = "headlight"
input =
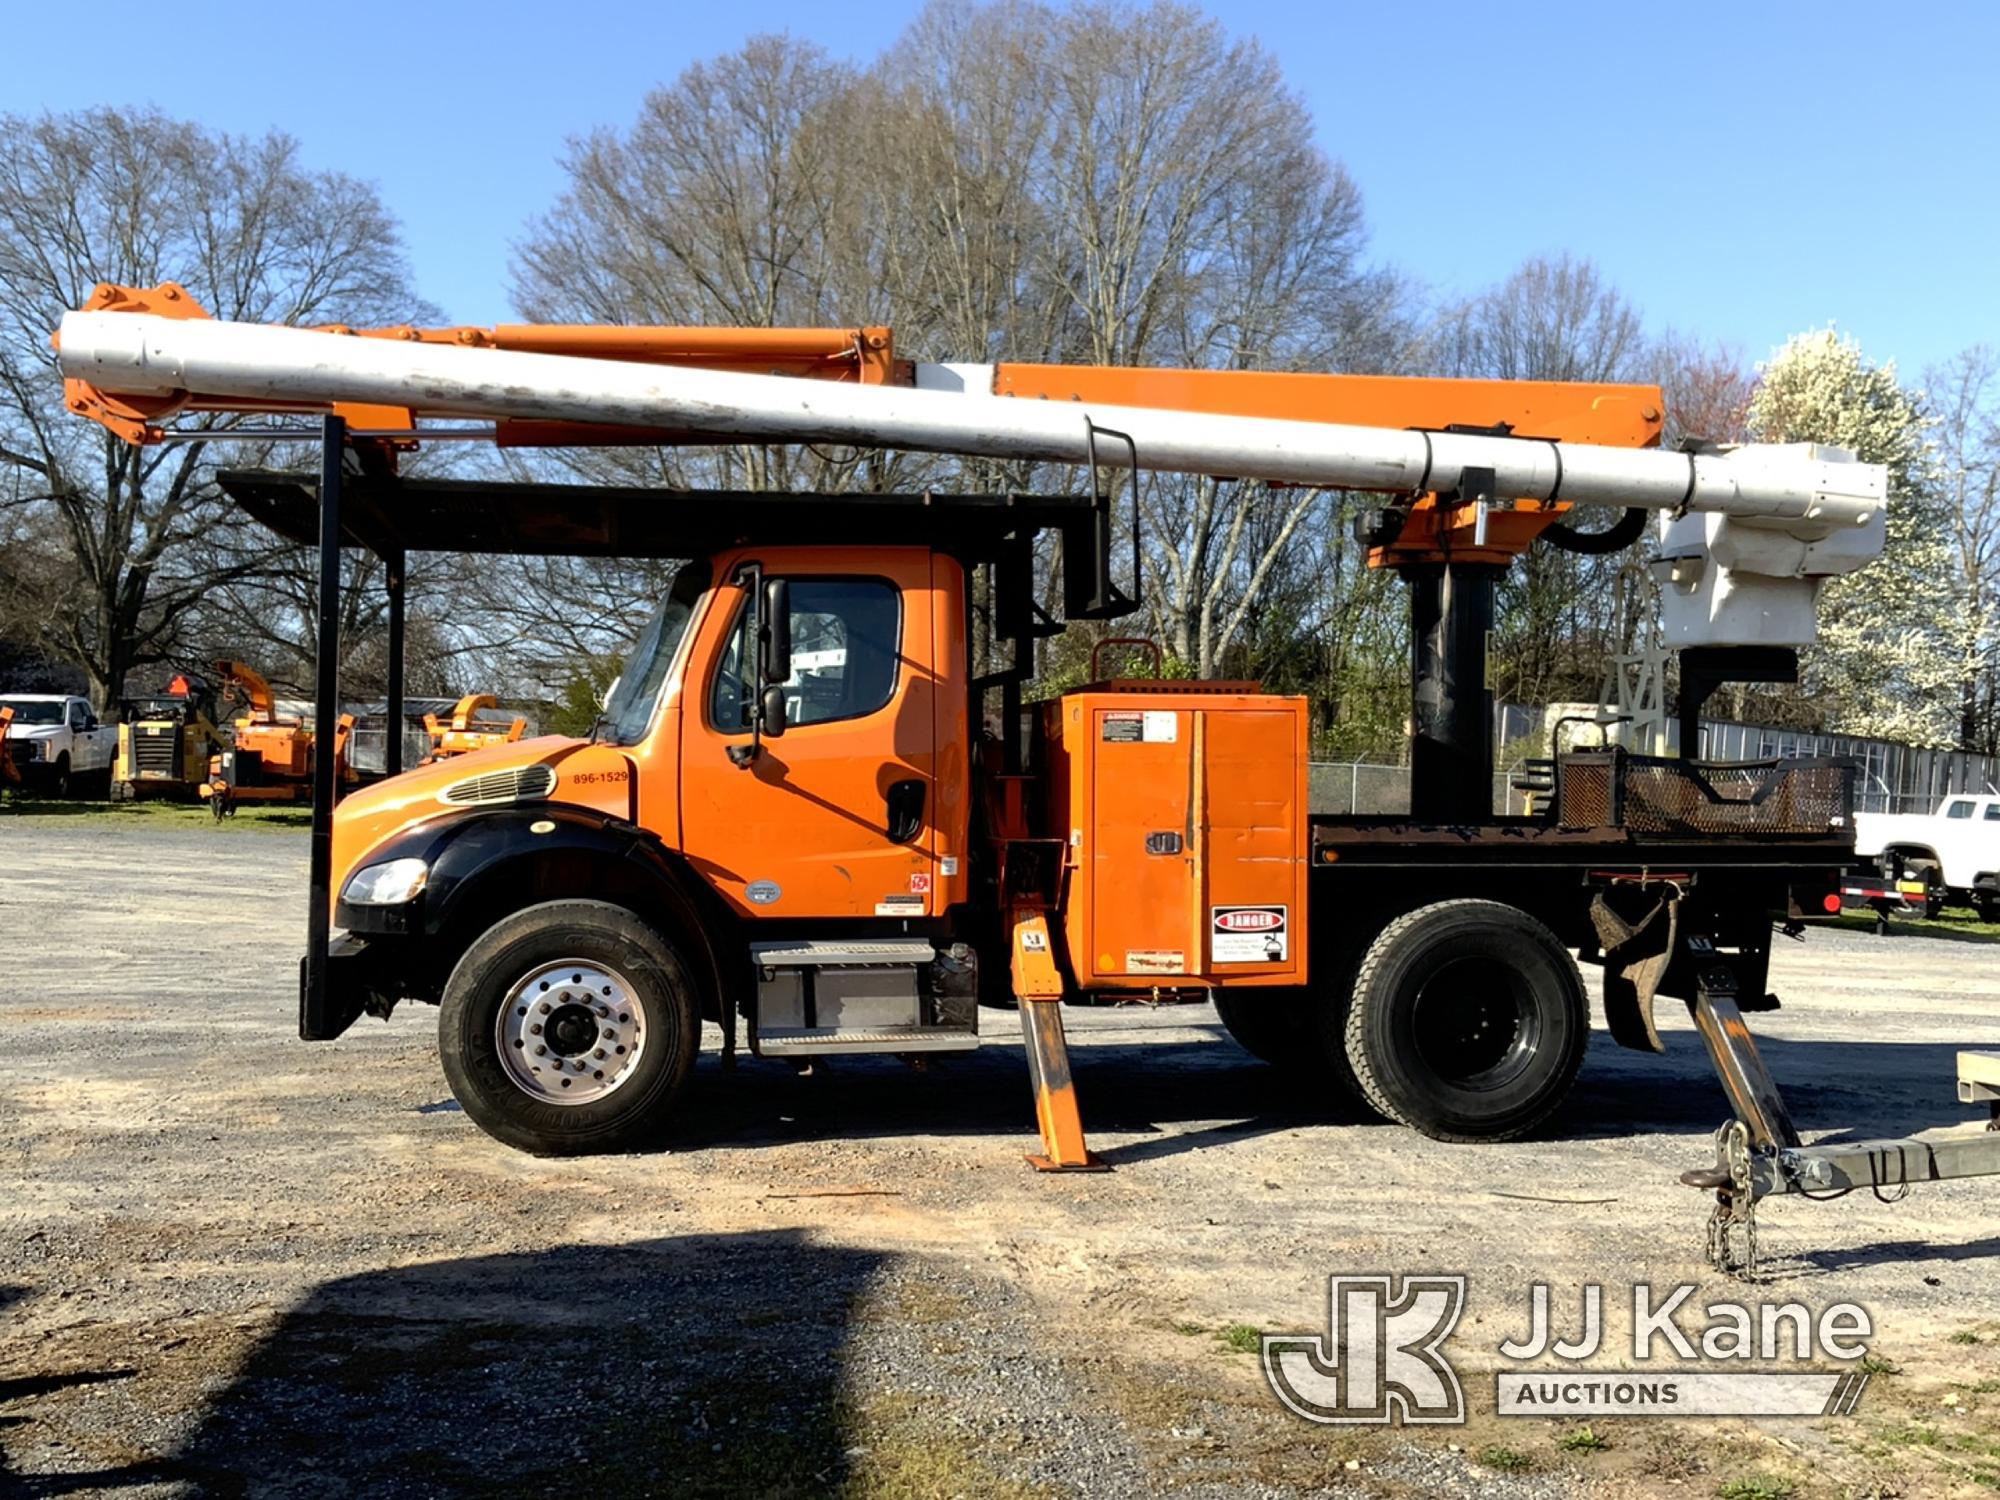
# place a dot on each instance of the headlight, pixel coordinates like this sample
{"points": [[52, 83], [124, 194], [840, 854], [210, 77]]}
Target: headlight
{"points": [[390, 884]]}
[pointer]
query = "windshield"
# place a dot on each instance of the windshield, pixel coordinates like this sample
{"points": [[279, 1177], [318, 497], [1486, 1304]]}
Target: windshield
{"points": [[630, 709], [27, 711]]}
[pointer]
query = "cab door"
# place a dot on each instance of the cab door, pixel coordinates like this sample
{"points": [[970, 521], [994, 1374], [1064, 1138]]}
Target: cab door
{"points": [[834, 817]]}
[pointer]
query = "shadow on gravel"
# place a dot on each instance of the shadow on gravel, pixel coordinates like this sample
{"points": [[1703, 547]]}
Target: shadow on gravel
{"points": [[1894, 1253], [1834, 1090], [1152, 1089], [706, 1365], [1140, 1088]]}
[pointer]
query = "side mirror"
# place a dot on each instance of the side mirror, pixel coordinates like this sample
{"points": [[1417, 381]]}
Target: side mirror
{"points": [[773, 707], [775, 629]]}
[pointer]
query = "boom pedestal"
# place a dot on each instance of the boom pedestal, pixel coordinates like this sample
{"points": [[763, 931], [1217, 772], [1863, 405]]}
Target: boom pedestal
{"points": [[1451, 708]]}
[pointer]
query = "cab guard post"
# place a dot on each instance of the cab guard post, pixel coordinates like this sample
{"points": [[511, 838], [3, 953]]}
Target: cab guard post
{"points": [[323, 1014]]}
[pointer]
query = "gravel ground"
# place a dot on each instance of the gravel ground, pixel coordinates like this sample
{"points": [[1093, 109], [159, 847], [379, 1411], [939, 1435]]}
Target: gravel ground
{"points": [[232, 1263]]}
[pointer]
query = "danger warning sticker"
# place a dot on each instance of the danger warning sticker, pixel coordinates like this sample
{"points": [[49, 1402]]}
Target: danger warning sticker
{"points": [[1248, 934], [1148, 726]]}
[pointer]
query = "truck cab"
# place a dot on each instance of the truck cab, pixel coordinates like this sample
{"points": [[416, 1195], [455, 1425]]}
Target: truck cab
{"points": [[779, 819], [57, 742]]}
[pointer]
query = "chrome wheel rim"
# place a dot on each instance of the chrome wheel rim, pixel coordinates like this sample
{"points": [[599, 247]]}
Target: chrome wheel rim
{"points": [[570, 1032]]}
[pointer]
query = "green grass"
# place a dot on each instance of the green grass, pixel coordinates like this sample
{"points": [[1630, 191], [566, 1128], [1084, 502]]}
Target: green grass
{"points": [[151, 815], [1506, 1460], [1241, 1338], [1756, 1487], [1583, 1440], [1965, 1336], [1962, 925], [1877, 1364]]}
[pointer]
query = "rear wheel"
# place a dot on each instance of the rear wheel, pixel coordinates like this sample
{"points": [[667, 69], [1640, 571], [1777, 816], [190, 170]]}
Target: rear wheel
{"points": [[570, 1028], [1302, 1032], [1468, 1021]]}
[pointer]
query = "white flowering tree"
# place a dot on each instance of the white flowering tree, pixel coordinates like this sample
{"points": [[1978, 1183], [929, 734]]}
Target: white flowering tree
{"points": [[1894, 639]]}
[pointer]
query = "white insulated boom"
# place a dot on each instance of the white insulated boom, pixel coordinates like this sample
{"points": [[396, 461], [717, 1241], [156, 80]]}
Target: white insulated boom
{"points": [[1808, 493]]}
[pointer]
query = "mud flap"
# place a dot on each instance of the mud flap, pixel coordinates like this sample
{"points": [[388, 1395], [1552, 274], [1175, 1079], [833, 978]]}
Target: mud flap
{"points": [[1637, 949]]}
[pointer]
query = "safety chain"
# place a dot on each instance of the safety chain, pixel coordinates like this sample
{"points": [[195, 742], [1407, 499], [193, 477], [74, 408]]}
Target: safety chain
{"points": [[1732, 1226]]}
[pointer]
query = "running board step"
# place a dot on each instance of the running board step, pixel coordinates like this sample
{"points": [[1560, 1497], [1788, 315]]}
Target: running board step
{"points": [[792, 1043], [826, 996]]}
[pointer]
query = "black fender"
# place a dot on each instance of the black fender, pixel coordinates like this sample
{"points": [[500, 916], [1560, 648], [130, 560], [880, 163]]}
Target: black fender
{"points": [[486, 864]]}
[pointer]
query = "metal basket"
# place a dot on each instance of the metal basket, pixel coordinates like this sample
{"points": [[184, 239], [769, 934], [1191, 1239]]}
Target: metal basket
{"points": [[1805, 797]]}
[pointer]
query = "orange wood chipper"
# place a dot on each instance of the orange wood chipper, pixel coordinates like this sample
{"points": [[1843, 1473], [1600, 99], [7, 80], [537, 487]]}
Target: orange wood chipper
{"points": [[269, 757]]}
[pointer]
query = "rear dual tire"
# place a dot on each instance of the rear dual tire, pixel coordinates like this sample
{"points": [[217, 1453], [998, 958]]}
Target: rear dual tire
{"points": [[1468, 1021]]}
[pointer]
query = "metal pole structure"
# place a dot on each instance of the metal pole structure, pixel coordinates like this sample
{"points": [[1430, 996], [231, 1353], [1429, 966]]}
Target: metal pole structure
{"points": [[313, 999], [392, 750], [1451, 711]]}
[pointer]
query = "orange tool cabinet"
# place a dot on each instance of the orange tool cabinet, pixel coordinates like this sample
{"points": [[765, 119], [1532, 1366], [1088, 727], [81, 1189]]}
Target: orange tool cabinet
{"points": [[1183, 808]]}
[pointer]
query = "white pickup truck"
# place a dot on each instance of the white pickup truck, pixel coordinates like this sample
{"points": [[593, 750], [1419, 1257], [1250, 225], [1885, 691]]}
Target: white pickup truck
{"points": [[57, 743], [1954, 852]]}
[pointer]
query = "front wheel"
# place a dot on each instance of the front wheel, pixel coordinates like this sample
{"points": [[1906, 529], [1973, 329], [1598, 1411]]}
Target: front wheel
{"points": [[1468, 1021], [570, 1028]]}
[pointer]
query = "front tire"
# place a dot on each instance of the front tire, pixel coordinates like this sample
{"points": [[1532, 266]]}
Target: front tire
{"points": [[1469, 1021], [570, 1028]]}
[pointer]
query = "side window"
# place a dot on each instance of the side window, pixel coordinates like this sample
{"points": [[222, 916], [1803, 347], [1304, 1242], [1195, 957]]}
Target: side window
{"points": [[1959, 810], [76, 716], [1993, 812], [846, 638]]}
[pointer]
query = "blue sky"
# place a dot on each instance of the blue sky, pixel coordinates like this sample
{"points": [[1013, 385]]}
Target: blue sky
{"points": [[1739, 171]]}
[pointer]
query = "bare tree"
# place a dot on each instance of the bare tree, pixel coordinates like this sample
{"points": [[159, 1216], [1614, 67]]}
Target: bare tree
{"points": [[1707, 388], [1550, 320], [1963, 395], [1096, 184], [120, 536]]}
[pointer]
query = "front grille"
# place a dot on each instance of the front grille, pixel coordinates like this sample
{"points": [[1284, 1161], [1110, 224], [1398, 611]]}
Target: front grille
{"points": [[515, 784], [156, 750]]}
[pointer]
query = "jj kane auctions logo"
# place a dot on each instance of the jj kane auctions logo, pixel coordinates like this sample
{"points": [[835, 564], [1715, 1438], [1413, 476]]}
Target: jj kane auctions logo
{"points": [[1382, 1357]]}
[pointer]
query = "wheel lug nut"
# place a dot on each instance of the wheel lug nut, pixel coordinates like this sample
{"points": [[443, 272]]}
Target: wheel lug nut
{"points": [[536, 1028], [600, 1052], [541, 1052], [545, 1007]]}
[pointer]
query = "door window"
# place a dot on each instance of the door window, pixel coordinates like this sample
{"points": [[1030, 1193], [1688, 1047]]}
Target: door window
{"points": [[78, 715], [1959, 810], [1993, 812], [845, 652]]}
